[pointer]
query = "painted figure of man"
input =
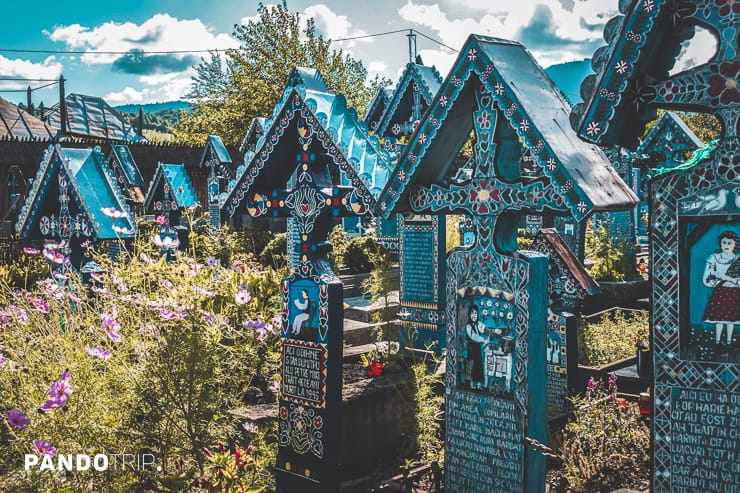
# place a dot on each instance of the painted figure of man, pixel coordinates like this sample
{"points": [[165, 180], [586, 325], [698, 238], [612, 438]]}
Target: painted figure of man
{"points": [[304, 306], [722, 274]]}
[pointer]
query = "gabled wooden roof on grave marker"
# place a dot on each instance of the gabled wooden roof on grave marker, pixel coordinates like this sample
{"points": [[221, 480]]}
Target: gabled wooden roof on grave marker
{"points": [[131, 172], [534, 109], [670, 134], [398, 110], [336, 128], [254, 132], [643, 43], [178, 180], [129, 175], [377, 107], [215, 146], [549, 241], [93, 188]]}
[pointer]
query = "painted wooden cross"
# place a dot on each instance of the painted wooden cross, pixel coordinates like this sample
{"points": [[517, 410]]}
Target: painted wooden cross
{"points": [[525, 161], [312, 320]]}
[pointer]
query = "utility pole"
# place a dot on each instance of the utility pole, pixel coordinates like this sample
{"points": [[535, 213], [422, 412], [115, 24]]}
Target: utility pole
{"points": [[62, 107]]}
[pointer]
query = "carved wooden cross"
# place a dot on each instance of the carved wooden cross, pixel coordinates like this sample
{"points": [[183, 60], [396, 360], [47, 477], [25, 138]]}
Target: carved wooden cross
{"points": [[312, 203]]}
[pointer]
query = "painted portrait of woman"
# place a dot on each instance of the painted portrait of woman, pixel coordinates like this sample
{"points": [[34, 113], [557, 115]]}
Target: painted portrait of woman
{"points": [[722, 275]]}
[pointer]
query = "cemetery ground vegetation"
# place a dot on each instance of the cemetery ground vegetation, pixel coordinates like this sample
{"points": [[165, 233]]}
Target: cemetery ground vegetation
{"points": [[613, 337], [605, 446], [149, 357]]}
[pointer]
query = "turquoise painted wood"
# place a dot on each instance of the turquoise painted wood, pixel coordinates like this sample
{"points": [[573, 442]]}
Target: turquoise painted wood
{"points": [[694, 226], [525, 161]]}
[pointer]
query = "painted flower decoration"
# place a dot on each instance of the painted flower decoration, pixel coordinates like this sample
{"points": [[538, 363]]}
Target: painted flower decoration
{"points": [[726, 7], [97, 352], [484, 120], [43, 448], [17, 419], [113, 212], [723, 85]]}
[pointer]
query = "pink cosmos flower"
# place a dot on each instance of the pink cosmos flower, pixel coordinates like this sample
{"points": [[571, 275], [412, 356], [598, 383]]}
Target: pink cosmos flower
{"points": [[31, 251], [58, 393], [54, 256], [165, 242], [111, 326], [17, 419], [2, 360], [172, 315], [43, 448], [123, 231], [98, 352], [113, 212], [39, 304], [242, 297], [161, 220]]}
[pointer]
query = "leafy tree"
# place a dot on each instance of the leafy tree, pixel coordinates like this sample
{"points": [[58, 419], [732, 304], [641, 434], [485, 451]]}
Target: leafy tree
{"points": [[249, 81]]}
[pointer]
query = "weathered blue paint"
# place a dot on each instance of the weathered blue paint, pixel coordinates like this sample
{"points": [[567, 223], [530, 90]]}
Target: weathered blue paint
{"points": [[693, 213], [490, 89]]}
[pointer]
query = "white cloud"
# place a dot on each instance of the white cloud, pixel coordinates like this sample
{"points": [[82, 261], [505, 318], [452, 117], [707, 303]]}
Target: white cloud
{"points": [[580, 24], [159, 33], [696, 51], [50, 68]]}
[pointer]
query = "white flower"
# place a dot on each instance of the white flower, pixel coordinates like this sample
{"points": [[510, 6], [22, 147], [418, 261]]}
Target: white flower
{"points": [[165, 242], [242, 297]]}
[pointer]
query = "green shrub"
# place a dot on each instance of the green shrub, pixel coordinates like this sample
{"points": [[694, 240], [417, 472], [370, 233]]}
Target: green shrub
{"points": [[275, 252], [187, 342], [611, 338], [609, 258], [357, 252], [606, 445]]}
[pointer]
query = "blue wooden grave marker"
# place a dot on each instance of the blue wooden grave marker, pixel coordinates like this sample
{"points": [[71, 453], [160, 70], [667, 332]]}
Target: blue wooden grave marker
{"points": [[290, 174], [694, 228], [497, 295], [220, 171], [66, 202], [171, 192], [568, 283]]}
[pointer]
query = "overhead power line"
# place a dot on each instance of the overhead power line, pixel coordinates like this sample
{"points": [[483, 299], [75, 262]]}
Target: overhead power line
{"points": [[217, 50]]}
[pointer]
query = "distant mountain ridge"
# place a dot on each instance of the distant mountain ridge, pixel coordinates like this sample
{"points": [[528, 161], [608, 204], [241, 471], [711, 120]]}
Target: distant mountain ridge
{"points": [[154, 107], [568, 77]]}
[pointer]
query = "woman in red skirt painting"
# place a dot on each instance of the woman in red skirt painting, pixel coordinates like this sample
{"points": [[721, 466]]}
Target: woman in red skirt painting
{"points": [[722, 274]]}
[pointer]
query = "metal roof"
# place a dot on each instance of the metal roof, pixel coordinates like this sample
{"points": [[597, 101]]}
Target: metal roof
{"points": [[16, 123], [92, 183], [176, 177], [310, 78], [92, 116]]}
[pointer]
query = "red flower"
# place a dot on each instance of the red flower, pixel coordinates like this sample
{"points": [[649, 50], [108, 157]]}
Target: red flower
{"points": [[724, 84], [283, 413], [374, 369], [318, 422]]}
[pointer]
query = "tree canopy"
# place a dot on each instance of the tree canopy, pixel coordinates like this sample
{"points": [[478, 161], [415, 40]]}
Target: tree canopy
{"points": [[228, 93]]}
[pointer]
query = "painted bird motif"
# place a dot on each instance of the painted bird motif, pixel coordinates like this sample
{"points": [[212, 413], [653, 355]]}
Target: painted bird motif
{"points": [[714, 202]]}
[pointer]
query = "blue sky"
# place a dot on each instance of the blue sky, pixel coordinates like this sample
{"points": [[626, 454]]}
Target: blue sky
{"points": [[555, 31]]}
